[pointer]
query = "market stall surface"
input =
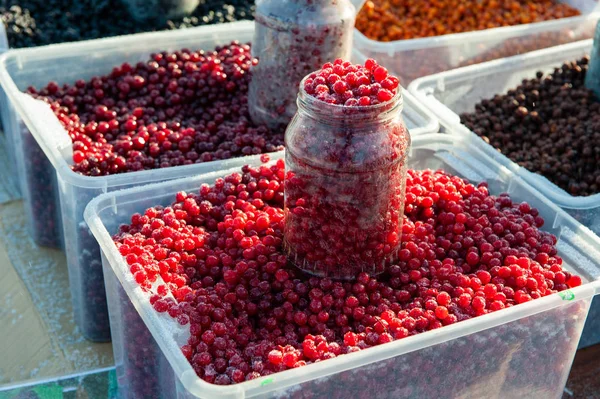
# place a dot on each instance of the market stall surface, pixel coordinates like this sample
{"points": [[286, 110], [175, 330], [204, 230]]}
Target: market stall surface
{"points": [[39, 336]]}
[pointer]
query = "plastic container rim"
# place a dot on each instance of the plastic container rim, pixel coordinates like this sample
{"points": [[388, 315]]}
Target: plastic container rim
{"points": [[288, 378], [455, 38], [557, 195]]}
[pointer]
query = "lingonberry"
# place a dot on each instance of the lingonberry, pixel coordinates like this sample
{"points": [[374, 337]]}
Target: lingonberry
{"points": [[249, 318], [352, 85], [127, 121], [344, 195]]}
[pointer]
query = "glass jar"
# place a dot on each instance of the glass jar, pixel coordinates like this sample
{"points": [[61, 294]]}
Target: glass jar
{"points": [[345, 186], [292, 38]]}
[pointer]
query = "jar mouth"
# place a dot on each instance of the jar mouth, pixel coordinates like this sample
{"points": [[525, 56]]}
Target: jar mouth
{"points": [[313, 104]]}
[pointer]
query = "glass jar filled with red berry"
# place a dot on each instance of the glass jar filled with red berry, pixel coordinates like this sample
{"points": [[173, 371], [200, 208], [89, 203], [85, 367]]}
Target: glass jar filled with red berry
{"points": [[293, 38], [346, 153]]}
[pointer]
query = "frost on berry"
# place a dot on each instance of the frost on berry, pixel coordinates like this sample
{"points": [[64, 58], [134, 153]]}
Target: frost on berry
{"points": [[251, 314], [346, 172], [343, 83], [175, 108]]}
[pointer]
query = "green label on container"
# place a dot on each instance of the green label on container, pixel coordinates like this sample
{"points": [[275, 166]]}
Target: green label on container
{"points": [[567, 295], [49, 391], [113, 386], [266, 382]]}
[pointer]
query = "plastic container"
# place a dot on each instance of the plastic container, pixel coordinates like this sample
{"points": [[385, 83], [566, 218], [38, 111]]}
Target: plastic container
{"points": [[292, 39], [349, 166], [152, 10], [449, 94], [592, 76], [5, 114], [414, 58], [43, 148], [524, 351]]}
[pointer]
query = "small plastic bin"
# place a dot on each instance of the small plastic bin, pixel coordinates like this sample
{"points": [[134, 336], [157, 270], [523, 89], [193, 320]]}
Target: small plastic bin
{"points": [[524, 351], [414, 58], [55, 196], [451, 93]]}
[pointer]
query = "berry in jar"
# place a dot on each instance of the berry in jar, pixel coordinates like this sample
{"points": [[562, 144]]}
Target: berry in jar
{"points": [[346, 155]]}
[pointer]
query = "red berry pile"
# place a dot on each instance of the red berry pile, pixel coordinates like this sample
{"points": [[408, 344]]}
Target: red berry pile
{"points": [[218, 262], [343, 83], [177, 108]]}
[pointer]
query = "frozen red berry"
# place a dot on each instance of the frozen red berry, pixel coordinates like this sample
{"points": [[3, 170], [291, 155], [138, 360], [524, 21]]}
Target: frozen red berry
{"points": [[352, 85]]}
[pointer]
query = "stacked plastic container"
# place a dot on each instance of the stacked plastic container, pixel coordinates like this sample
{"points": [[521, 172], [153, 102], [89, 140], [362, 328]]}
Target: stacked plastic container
{"points": [[55, 196], [414, 58], [449, 94], [524, 351]]}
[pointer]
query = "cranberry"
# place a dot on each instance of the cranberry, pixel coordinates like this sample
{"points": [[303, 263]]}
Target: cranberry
{"points": [[346, 173], [136, 118], [255, 322], [158, 114], [342, 83]]}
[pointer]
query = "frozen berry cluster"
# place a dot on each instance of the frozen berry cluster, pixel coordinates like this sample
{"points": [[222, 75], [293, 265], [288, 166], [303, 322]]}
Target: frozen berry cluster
{"points": [[346, 172], [344, 83], [177, 108], [213, 260]]}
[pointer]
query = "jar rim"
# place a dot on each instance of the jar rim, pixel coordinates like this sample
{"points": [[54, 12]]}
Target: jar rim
{"points": [[305, 99]]}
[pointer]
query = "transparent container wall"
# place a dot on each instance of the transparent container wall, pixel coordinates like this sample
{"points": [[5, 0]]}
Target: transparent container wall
{"points": [[5, 114], [525, 351], [39, 189], [588, 216], [591, 331], [414, 58], [530, 357], [142, 369], [85, 265], [8, 116]]}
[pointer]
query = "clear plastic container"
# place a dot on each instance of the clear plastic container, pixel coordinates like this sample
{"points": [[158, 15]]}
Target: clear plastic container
{"points": [[524, 351], [449, 94], [5, 114], [346, 179], [292, 39], [414, 58], [44, 151], [592, 76]]}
